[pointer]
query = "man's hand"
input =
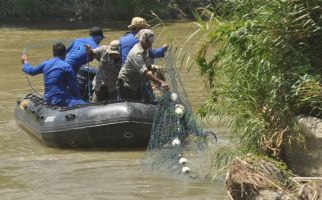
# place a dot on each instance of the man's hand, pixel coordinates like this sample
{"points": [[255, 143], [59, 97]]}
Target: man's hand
{"points": [[89, 51], [164, 85], [165, 47], [24, 59], [156, 80]]}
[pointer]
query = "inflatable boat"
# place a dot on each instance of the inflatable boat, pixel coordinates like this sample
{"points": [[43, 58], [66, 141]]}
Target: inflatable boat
{"points": [[112, 124], [117, 124]]}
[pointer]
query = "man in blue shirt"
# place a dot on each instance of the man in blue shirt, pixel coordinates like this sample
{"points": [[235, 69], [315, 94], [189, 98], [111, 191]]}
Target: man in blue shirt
{"points": [[61, 88], [128, 40], [76, 52]]}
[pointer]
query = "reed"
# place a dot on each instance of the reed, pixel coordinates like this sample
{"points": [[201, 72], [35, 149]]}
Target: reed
{"points": [[262, 61]]}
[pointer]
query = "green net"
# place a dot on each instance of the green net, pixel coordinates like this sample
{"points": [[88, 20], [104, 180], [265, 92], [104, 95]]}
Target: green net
{"points": [[173, 126], [174, 116]]}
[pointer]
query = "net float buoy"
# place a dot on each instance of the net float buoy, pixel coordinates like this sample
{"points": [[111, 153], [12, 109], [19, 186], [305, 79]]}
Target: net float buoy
{"points": [[179, 109], [174, 97], [176, 142], [185, 170], [183, 161]]}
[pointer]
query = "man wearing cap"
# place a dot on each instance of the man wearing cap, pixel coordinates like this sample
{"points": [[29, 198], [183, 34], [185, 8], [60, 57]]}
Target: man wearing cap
{"points": [[135, 68], [76, 52], [60, 82], [128, 40], [109, 66]]}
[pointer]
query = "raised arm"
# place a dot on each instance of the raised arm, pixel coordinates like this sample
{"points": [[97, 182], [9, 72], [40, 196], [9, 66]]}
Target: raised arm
{"points": [[27, 68], [97, 52], [69, 47], [158, 52], [92, 53]]}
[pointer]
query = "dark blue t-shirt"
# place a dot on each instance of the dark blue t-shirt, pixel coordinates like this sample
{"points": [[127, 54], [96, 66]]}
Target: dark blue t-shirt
{"points": [[76, 52]]}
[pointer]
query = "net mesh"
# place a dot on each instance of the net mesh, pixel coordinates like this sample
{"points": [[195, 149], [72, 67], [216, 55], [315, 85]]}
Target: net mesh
{"points": [[174, 117], [173, 125]]}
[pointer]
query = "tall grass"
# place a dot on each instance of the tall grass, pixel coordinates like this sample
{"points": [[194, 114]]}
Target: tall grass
{"points": [[262, 60]]}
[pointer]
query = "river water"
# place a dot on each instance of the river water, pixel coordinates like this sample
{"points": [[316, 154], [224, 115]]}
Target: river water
{"points": [[31, 170]]}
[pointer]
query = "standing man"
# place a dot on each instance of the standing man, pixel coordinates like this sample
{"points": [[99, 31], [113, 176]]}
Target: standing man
{"points": [[129, 40], [136, 68], [76, 52], [109, 66], [126, 44], [60, 82]]}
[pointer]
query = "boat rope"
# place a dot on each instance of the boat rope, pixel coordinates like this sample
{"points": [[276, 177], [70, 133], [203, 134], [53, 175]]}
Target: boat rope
{"points": [[88, 81], [40, 101], [27, 78]]}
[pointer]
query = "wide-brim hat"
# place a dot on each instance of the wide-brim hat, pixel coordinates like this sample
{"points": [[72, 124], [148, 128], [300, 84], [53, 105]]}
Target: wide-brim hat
{"points": [[138, 22], [114, 47]]}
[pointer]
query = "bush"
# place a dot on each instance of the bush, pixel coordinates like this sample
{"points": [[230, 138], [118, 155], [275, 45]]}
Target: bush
{"points": [[262, 59]]}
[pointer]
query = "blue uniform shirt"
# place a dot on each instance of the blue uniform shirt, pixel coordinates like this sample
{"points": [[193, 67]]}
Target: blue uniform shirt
{"points": [[128, 41], [76, 52], [61, 87]]}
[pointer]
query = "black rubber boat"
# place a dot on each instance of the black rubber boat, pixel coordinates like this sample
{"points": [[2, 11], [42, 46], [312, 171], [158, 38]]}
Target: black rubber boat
{"points": [[112, 125]]}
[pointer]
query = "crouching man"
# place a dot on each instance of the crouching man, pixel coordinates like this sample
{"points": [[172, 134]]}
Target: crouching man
{"points": [[109, 66]]}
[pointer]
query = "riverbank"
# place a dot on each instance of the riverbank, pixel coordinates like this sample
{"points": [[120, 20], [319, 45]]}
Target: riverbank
{"points": [[263, 179], [262, 60], [99, 9]]}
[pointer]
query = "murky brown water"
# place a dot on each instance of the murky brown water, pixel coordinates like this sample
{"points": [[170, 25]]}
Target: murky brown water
{"points": [[30, 170]]}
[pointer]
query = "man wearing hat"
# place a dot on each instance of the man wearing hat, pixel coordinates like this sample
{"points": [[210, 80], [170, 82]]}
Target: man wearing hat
{"points": [[128, 40], [76, 52], [109, 66], [135, 69]]}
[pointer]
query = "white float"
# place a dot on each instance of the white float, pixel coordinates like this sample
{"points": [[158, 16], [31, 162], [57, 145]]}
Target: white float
{"points": [[179, 109], [176, 142], [183, 161], [185, 170], [174, 97]]}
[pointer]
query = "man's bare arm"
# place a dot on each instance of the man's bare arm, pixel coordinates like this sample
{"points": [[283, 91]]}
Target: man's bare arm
{"points": [[153, 78]]}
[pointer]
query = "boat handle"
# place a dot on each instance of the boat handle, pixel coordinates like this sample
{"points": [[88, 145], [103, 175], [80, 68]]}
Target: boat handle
{"points": [[70, 116], [128, 135]]}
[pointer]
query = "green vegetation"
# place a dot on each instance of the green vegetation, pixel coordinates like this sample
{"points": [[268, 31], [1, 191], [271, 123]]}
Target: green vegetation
{"points": [[98, 9], [262, 60]]}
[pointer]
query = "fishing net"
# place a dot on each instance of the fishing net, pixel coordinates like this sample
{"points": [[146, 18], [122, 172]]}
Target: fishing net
{"points": [[174, 126]]}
